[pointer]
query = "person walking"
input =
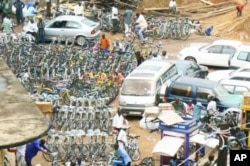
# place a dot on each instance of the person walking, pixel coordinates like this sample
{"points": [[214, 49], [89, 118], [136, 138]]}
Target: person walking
{"points": [[104, 43], [41, 31], [114, 17], [127, 20], [7, 25], [6, 8], [19, 5], [239, 8], [33, 148], [172, 6]]}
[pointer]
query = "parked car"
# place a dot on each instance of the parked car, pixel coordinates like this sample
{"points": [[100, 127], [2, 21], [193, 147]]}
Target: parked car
{"points": [[141, 87], [223, 74], [188, 88], [69, 27], [242, 76], [223, 53], [235, 86], [191, 69]]}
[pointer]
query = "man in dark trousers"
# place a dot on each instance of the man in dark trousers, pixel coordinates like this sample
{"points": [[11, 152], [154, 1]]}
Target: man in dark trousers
{"points": [[114, 16], [239, 8], [19, 5]]}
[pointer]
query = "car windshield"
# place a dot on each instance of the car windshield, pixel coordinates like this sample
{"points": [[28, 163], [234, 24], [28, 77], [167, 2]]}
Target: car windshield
{"points": [[88, 22], [203, 46], [221, 91], [138, 87]]}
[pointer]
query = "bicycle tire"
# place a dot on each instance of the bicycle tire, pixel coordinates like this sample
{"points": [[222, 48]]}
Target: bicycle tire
{"points": [[129, 37], [148, 161], [235, 144], [158, 34], [135, 155]]}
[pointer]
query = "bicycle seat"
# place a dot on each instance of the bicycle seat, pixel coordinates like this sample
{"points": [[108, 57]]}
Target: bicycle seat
{"points": [[133, 136]]}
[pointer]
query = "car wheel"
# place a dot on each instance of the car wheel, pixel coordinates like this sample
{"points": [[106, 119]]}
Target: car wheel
{"points": [[80, 40], [191, 59]]}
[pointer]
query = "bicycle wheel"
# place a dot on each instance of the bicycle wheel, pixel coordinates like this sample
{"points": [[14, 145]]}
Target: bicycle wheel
{"points": [[235, 144], [129, 37], [148, 161], [47, 157], [186, 31], [135, 155], [158, 34]]}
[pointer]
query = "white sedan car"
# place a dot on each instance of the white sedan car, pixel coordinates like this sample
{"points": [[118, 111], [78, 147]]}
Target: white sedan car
{"points": [[224, 74], [218, 53]]}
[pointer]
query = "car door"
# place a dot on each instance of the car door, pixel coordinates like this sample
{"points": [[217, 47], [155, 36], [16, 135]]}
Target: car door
{"points": [[241, 59], [54, 29], [216, 55], [179, 90], [72, 28]]}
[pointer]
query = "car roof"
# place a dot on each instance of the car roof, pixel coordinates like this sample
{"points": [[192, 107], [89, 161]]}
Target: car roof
{"points": [[152, 68], [194, 81], [156, 66], [228, 42], [241, 74], [234, 82], [70, 17]]}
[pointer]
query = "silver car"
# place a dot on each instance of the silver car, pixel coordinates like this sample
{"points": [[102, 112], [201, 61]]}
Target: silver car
{"points": [[70, 27]]}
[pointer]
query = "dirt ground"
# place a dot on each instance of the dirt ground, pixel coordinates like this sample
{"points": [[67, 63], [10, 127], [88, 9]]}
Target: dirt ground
{"points": [[148, 140]]}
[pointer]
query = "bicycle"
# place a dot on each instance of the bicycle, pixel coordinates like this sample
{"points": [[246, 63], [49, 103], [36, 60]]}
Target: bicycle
{"points": [[147, 33], [133, 148]]}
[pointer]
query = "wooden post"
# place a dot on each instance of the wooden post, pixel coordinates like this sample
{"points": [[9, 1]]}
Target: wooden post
{"points": [[222, 155], [1, 157]]}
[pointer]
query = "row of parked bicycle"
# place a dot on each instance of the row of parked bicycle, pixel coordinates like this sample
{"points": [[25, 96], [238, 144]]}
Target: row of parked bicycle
{"points": [[93, 146]]}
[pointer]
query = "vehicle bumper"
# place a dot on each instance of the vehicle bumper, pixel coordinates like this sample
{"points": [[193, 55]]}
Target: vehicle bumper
{"points": [[132, 110]]}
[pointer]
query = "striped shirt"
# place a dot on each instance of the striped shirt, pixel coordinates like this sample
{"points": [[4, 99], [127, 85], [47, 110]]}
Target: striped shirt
{"points": [[7, 26]]}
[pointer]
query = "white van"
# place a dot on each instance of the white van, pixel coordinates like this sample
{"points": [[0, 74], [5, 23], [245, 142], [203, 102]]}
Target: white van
{"points": [[141, 87]]}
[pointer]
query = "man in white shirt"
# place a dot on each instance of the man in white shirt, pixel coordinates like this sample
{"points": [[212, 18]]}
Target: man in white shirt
{"points": [[211, 106], [172, 6], [31, 28], [118, 120], [78, 9], [141, 25], [114, 17], [20, 155], [122, 137]]}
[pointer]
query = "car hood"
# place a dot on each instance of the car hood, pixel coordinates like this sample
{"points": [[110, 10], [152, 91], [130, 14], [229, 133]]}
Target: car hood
{"points": [[231, 100], [219, 75], [193, 47]]}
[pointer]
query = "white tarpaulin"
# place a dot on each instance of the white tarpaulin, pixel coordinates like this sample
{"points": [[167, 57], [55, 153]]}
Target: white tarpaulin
{"points": [[168, 146], [170, 118], [201, 139]]}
